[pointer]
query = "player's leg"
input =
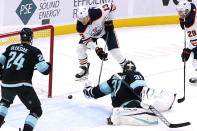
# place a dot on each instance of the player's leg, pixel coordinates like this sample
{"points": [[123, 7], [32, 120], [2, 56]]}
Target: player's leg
{"points": [[113, 47], [8, 95], [161, 99], [131, 113], [193, 80], [83, 61], [132, 116], [29, 98]]}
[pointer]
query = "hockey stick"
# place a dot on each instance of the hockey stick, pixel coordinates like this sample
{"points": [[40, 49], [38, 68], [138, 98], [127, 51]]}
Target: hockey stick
{"points": [[155, 111], [183, 98], [106, 39]]}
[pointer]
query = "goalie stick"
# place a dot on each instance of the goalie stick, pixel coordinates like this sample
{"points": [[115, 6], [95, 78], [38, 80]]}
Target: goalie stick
{"points": [[155, 111]]}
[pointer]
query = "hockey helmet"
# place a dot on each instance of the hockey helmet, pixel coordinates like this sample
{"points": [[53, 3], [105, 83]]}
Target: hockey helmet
{"points": [[26, 34], [183, 7], [82, 12], [129, 66]]}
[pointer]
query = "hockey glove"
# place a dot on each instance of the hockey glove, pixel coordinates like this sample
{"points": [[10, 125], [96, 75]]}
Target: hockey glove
{"points": [[87, 91], [102, 55], [185, 54], [182, 23], [109, 26]]}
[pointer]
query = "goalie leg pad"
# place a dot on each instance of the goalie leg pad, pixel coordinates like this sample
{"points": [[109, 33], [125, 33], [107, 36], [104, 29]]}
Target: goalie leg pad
{"points": [[133, 116], [162, 100]]}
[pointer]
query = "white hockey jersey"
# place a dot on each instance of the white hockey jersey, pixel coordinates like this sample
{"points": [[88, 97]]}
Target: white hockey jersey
{"points": [[95, 27], [191, 27]]}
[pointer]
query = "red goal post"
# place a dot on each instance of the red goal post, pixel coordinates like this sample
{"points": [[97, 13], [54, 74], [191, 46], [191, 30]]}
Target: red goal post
{"points": [[39, 32]]}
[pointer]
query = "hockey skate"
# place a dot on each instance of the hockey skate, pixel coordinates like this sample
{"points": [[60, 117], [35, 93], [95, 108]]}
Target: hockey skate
{"points": [[109, 122], [83, 75], [193, 81]]}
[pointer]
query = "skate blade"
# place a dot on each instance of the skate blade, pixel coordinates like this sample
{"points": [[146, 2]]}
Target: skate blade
{"points": [[81, 79], [193, 84]]}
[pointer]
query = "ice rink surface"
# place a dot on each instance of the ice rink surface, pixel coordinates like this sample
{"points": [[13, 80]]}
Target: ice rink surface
{"points": [[156, 51]]}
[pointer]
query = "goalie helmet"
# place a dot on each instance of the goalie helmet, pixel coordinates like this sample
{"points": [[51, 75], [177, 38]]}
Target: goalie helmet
{"points": [[26, 34], [182, 6], [129, 66], [82, 12]]}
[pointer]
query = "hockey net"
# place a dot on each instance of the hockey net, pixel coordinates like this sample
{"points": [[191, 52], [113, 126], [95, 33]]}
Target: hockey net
{"points": [[44, 40]]}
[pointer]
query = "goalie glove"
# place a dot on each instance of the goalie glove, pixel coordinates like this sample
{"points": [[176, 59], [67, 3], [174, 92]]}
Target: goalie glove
{"points": [[102, 55], [87, 91]]}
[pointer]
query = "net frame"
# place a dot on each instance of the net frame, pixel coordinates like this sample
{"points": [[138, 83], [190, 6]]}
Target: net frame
{"points": [[51, 28]]}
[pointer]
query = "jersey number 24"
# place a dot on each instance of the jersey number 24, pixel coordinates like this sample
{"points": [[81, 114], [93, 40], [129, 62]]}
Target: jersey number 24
{"points": [[15, 59]]}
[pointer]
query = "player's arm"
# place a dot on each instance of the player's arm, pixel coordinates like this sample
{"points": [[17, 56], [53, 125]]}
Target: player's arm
{"points": [[108, 10], [97, 91], [42, 66], [85, 40], [2, 62], [136, 80], [182, 23], [105, 10], [2, 59], [81, 29]]}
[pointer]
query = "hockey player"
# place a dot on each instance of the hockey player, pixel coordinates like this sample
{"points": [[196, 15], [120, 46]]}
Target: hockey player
{"points": [[187, 13], [127, 107], [92, 24], [18, 63]]}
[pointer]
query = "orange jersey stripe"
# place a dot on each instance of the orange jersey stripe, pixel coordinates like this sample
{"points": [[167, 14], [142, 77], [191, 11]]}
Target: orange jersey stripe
{"points": [[83, 61], [194, 43]]}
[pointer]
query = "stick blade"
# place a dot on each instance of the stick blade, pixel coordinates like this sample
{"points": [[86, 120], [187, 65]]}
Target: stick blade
{"points": [[179, 125], [181, 100]]}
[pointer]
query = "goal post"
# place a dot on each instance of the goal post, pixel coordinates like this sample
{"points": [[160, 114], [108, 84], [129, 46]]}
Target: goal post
{"points": [[47, 31]]}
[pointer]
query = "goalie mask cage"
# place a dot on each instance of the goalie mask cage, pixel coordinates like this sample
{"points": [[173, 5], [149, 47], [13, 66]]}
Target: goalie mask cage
{"points": [[44, 40]]}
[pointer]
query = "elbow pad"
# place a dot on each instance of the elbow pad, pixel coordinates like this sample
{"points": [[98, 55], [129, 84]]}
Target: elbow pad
{"points": [[47, 71], [44, 67]]}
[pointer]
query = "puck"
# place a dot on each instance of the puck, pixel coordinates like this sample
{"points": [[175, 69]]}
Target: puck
{"points": [[70, 97]]}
